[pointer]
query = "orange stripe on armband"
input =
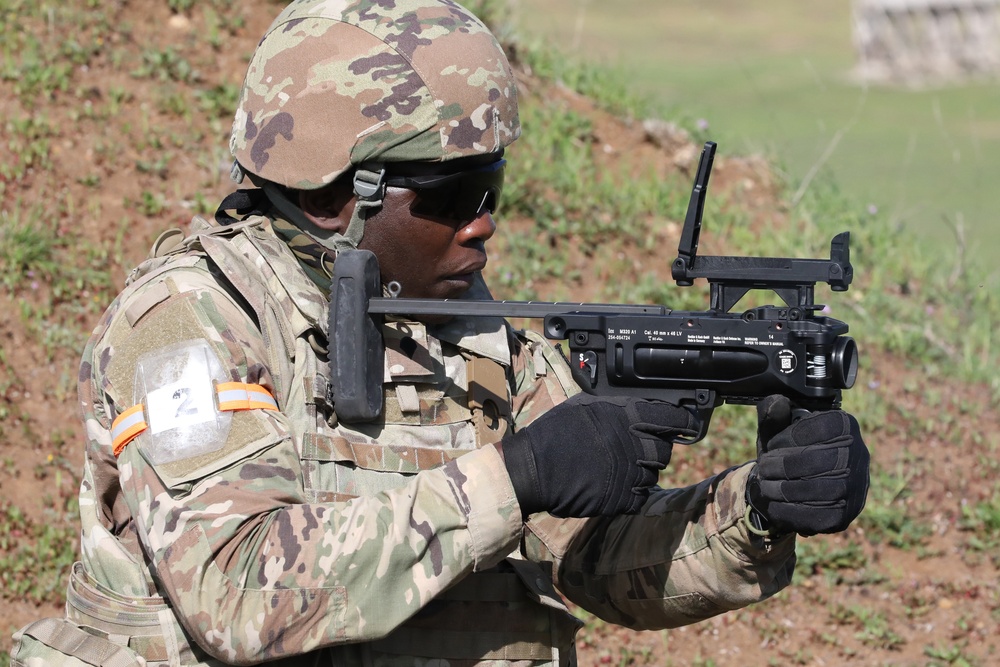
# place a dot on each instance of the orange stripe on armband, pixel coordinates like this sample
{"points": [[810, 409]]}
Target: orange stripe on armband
{"points": [[233, 396], [242, 396], [126, 426]]}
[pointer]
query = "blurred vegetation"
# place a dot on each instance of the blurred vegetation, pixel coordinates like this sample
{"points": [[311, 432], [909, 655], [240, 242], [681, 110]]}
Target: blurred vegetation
{"points": [[776, 77]]}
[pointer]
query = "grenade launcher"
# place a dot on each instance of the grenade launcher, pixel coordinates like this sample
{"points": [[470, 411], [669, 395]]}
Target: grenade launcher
{"points": [[697, 360]]}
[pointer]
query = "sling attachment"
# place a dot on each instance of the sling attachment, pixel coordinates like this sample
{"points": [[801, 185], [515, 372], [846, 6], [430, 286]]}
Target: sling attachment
{"points": [[489, 401]]}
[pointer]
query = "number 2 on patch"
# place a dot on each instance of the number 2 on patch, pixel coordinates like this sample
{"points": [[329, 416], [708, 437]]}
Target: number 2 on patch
{"points": [[186, 406], [182, 403]]}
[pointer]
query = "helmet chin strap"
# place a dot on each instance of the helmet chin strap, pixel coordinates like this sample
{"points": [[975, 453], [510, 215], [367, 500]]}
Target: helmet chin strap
{"points": [[291, 212], [369, 187]]}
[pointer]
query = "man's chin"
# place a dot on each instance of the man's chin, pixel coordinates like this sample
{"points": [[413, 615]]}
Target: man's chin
{"points": [[453, 287]]}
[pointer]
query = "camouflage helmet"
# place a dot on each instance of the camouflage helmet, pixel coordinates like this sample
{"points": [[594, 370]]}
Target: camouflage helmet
{"points": [[335, 84]]}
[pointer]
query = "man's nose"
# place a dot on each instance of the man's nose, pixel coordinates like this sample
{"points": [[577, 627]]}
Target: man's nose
{"points": [[480, 228]]}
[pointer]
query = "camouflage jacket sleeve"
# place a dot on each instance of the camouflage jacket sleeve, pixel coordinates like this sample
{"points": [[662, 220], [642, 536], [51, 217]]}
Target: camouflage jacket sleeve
{"points": [[253, 571], [685, 557]]}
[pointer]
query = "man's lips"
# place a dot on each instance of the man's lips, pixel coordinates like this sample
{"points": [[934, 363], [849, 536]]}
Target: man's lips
{"points": [[467, 272]]}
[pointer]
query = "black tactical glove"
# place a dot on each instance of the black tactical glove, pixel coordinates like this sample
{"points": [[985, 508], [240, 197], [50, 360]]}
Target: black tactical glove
{"points": [[593, 456], [811, 475]]}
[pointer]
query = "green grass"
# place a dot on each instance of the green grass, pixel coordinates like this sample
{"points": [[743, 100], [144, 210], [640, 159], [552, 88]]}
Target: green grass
{"points": [[774, 78], [35, 557]]}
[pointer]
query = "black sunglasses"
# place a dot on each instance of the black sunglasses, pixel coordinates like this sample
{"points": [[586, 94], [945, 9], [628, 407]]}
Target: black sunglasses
{"points": [[461, 195]]}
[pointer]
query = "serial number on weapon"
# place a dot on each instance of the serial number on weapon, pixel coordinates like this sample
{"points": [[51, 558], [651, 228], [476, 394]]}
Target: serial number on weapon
{"points": [[622, 334]]}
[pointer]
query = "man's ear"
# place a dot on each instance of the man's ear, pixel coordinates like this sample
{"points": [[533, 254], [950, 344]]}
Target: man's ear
{"points": [[329, 207]]}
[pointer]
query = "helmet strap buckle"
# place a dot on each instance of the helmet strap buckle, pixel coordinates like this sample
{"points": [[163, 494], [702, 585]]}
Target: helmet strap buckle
{"points": [[236, 173], [369, 184]]}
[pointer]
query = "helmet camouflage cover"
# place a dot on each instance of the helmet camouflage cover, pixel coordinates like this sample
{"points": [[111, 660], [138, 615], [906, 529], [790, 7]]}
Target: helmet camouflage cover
{"points": [[339, 83]]}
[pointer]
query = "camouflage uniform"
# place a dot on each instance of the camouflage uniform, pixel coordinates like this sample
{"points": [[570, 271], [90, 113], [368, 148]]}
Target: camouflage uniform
{"points": [[305, 539], [305, 535]]}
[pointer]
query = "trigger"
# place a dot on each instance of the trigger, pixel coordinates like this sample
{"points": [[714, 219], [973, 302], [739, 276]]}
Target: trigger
{"points": [[704, 419]]}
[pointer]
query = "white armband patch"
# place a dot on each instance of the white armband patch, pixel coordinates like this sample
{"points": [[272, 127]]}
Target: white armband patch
{"points": [[177, 385]]}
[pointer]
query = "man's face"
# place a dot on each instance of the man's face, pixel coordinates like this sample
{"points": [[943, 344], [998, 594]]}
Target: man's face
{"points": [[429, 256]]}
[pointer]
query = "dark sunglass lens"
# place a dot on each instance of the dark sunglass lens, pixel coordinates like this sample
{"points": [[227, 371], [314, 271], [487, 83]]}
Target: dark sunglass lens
{"points": [[435, 202], [461, 197]]}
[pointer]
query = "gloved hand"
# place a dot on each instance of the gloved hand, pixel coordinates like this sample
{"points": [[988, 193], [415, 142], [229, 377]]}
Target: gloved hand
{"points": [[811, 475], [593, 456]]}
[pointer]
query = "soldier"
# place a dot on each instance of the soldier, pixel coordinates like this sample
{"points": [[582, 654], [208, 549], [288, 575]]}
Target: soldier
{"points": [[230, 516]]}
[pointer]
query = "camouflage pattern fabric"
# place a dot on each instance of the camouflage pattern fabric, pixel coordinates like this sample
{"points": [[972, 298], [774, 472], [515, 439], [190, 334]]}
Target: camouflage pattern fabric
{"points": [[393, 88], [397, 543]]}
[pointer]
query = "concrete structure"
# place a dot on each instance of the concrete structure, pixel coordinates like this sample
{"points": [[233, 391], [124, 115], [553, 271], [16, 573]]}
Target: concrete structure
{"points": [[926, 42]]}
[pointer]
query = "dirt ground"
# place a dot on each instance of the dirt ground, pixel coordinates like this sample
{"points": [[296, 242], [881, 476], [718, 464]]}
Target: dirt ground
{"points": [[129, 148]]}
